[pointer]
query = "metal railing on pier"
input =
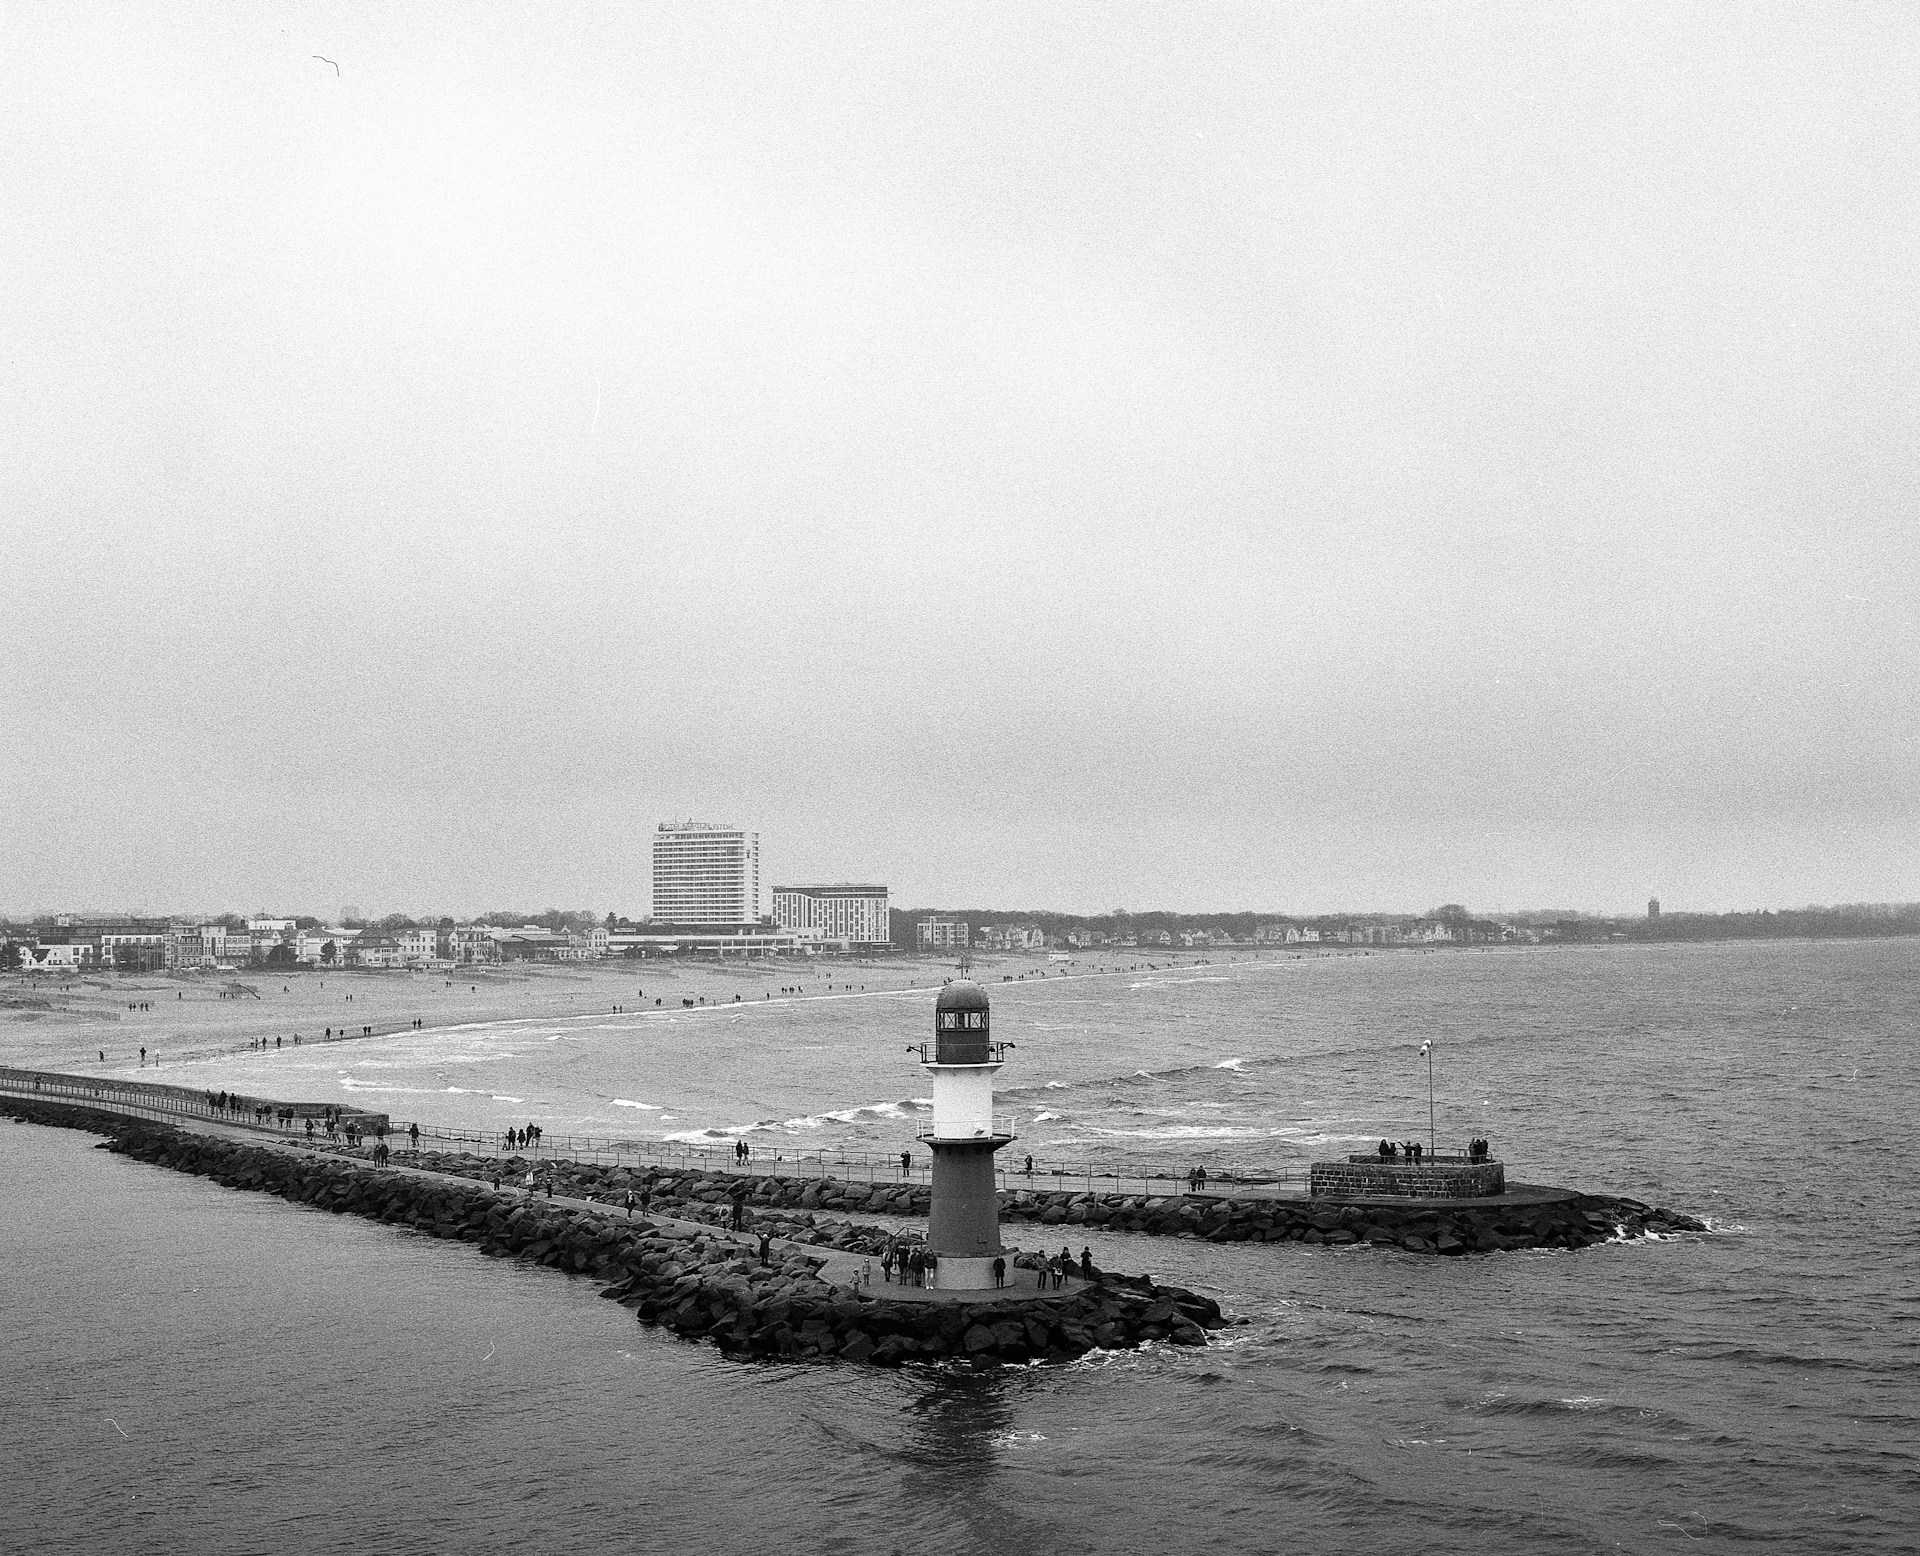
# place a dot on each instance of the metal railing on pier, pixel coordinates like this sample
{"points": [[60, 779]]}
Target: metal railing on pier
{"points": [[871, 1168], [170, 1104]]}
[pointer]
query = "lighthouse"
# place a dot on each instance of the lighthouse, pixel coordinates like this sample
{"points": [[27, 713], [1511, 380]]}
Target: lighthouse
{"points": [[965, 1223]]}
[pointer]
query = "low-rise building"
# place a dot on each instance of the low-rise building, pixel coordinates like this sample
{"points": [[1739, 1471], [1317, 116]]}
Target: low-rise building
{"points": [[934, 933], [60, 957], [532, 943], [323, 947]]}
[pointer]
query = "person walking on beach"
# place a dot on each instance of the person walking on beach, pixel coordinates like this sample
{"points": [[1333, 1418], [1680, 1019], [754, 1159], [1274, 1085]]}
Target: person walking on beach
{"points": [[886, 1264], [906, 1157], [413, 1135], [1000, 1270], [629, 1204], [766, 1245], [1086, 1264]]}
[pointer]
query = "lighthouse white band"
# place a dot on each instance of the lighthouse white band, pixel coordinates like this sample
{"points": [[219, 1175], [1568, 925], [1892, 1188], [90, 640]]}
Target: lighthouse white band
{"points": [[962, 1100]]}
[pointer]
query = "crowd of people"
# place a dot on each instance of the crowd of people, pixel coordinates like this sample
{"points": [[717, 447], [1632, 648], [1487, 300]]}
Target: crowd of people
{"points": [[915, 1265], [1413, 1151]]}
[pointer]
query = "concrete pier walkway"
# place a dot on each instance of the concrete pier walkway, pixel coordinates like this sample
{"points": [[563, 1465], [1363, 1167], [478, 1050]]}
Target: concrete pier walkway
{"points": [[855, 1272]]}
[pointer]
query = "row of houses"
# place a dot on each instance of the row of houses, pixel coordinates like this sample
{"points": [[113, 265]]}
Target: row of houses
{"points": [[148, 945], [935, 933]]}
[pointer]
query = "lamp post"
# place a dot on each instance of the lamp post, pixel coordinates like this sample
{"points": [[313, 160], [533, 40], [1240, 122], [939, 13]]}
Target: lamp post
{"points": [[1427, 1049]]}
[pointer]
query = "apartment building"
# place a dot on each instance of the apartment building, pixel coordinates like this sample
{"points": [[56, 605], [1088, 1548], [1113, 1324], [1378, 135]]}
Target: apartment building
{"points": [[705, 873], [940, 934], [846, 912]]}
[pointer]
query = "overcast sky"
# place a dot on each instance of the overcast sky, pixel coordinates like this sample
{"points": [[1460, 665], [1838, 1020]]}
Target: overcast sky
{"points": [[1196, 456]]}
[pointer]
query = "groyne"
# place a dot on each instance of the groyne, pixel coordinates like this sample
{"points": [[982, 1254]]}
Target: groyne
{"points": [[699, 1283], [1522, 1217]]}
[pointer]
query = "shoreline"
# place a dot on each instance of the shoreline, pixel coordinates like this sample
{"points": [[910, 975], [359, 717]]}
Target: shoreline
{"points": [[213, 1016]]}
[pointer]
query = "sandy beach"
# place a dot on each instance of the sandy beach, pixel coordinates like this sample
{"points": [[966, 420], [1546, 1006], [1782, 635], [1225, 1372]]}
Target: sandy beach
{"points": [[85, 1023]]}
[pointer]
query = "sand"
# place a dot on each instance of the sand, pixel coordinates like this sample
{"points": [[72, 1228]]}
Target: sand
{"points": [[67, 1022]]}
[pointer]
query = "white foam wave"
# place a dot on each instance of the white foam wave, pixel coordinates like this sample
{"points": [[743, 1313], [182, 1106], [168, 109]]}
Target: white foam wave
{"points": [[1237, 1065], [1183, 1132], [1041, 1118], [622, 1102], [348, 1083], [1059, 1085], [906, 1108], [1168, 983]]}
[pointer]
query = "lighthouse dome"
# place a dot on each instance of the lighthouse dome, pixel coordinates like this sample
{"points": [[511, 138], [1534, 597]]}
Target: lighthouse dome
{"points": [[960, 1024]]}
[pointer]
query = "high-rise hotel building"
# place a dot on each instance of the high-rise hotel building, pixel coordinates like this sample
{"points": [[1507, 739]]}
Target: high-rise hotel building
{"points": [[705, 873], [857, 914]]}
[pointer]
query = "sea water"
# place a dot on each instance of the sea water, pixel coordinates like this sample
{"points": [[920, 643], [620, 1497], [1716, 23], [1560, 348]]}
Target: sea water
{"points": [[186, 1366]]}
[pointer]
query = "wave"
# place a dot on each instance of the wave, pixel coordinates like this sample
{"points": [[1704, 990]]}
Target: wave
{"points": [[1181, 1132], [1168, 983], [908, 1107], [348, 1083], [1238, 1066], [1041, 1118], [1577, 1404], [622, 1102]]}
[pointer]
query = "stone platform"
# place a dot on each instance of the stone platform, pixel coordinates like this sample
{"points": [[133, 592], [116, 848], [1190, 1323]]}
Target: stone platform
{"points": [[1399, 1178], [862, 1273]]}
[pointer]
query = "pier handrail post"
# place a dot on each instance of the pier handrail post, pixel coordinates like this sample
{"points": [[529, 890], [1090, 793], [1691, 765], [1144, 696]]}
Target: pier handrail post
{"points": [[1427, 1049]]}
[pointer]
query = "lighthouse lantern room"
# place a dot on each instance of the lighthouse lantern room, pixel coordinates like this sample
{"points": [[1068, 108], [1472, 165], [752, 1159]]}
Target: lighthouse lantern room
{"points": [[964, 1229]]}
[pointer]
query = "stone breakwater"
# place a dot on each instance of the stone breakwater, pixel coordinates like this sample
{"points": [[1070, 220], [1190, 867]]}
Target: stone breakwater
{"points": [[698, 1284], [789, 1207]]}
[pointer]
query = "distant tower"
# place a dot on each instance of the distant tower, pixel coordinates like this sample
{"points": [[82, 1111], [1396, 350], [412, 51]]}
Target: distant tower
{"points": [[705, 873], [965, 1225], [1653, 907]]}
